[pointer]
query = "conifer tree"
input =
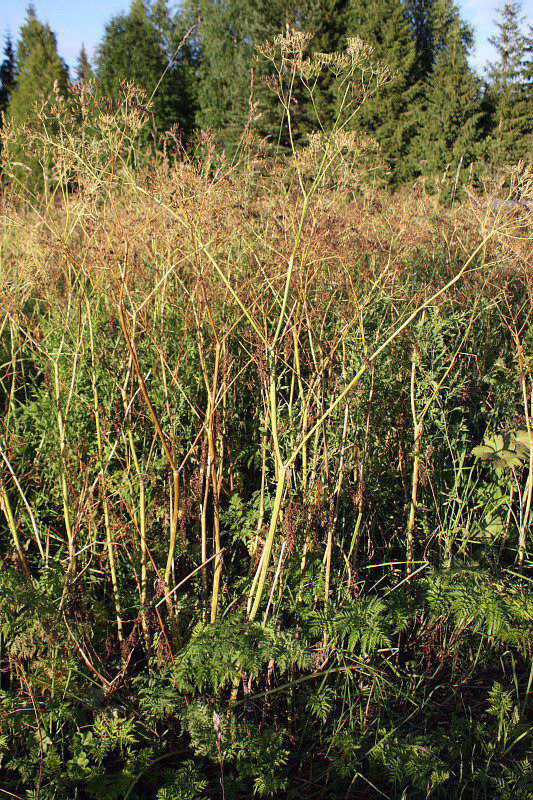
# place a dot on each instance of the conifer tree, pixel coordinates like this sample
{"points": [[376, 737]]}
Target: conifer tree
{"points": [[453, 117], [508, 84], [527, 87], [327, 21], [134, 49], [7, 76], [84, 71], [389, 116], [38, 67], [229, 33], [421, 15]]}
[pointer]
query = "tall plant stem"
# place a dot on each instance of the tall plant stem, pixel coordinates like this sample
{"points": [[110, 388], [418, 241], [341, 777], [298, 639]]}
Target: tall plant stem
{"points": [[62, 466], [142, 499], [175, 495], [356, 538], [175, 504], [262, 569], [13, 387], [334, 404], [528, 413], [142, 527], [418, 429], [142, 502], [215, 482], [417, 435], [333, 521], [103, 483], [281, 470], [24, 499], [261, 515], [5, 504], [205, 482]]}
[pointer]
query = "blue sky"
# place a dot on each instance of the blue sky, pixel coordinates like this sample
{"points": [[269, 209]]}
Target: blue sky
{"points": [[77, 21]]}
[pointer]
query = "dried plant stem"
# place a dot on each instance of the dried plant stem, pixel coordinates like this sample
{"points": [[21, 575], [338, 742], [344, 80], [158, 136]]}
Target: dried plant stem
{"points": [[175, 495], [175, 504], [418, 429], [142, 504], [335, 403], [24, 499], [274, 582], [215, 482]]}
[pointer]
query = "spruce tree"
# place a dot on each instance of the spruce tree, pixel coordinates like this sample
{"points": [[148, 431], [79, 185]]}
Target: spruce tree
{"points": [[84, 71], [229, 33], [38, 68], [327, 21], [452, 117], [134, 49], [421, 15], [527, 88], [508, 84], [389, 116], [7, 76]]}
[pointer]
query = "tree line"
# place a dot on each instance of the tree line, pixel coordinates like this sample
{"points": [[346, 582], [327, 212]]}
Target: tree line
{"points": [[199, 66]]}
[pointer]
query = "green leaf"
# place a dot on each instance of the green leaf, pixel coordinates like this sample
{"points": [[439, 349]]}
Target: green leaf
{"points": [[524, 438], [482, 451]]}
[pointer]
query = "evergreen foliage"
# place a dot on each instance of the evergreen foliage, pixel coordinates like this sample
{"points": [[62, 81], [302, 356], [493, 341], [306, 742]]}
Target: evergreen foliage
{"points": [[84, 71], [201, 65], [511, 88], [390, 115], [39, 69], [327, 22], [421, 15], [139, 47], [453, 117], [231, 91], [7, 76], [528, 87]]}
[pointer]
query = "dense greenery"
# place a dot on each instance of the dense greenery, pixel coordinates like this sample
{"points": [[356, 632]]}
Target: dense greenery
{"points": [[84, 71], [7, 76], [512, 88], [139, 47], [391, 115], [453, 133], [38, 68], [434, 119], [266, 462]]}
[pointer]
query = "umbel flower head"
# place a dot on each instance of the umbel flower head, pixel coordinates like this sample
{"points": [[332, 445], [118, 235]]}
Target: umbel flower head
{"points": [[290, 45], [287, 52]]}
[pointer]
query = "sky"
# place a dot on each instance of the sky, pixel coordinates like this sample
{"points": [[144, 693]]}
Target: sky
{"points": [[77, 21]]}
